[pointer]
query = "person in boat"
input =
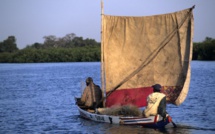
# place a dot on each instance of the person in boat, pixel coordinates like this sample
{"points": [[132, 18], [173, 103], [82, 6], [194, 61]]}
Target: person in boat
{"points": [[92, 95], [156, 103]]}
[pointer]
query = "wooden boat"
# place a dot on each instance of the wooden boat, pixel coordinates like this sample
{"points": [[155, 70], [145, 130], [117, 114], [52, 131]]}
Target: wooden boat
{"points": [[152, 121], [137, 52]]}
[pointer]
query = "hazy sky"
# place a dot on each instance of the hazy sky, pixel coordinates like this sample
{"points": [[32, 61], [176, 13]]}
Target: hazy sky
{"points": [[30, 20]]}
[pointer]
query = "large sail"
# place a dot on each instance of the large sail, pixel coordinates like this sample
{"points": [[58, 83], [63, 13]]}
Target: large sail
{"points": [[138, 52]]}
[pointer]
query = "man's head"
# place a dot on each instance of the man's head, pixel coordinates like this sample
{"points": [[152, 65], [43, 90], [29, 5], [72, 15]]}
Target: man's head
{"points": [[157, 87], [89, 80]]}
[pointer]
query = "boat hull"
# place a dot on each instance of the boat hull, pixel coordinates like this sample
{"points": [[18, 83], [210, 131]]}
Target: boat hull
{"points": [[152, 121]]}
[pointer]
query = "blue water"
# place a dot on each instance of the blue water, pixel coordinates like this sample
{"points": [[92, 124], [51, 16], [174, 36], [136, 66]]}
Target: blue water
{"points": [[38, 98]]}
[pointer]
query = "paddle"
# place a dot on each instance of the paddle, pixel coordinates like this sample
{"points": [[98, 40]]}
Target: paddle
{"points": [[174, 124]]}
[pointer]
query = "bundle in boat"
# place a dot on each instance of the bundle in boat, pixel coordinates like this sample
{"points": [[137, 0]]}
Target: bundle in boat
{"points": [[126, 110]]}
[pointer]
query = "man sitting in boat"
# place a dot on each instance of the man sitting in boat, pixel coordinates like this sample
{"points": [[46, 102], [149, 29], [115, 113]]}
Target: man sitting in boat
{"points": [[156, 103], [91, 96]]}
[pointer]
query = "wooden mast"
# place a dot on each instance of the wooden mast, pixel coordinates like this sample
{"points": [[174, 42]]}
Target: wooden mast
{"points": [[102, 55]]}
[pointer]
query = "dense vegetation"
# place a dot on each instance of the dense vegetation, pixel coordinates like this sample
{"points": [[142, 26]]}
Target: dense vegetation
{"points": [[76, 49], [67, 49], [204, 50]]}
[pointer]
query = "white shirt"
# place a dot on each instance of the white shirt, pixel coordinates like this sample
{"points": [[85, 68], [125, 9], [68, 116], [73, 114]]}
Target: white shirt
{"points": [[153, 101]]}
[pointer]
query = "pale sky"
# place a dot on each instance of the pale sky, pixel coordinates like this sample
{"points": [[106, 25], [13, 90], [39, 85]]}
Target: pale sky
{"points": [[30, 20]]}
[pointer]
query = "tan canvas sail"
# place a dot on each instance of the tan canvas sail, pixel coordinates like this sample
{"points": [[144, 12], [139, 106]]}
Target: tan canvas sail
{"points": [[138, 52]]}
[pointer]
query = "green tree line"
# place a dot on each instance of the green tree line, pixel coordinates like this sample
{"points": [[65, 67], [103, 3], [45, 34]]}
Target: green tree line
{"points": [[32, 55], [204, 50], [71, 48]]}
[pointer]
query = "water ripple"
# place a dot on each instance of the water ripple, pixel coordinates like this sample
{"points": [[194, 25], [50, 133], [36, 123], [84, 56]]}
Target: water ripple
{"points": [[39, 98]]}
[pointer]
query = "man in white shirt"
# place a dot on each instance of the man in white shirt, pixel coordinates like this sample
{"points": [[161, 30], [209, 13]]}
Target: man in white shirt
{"points": [[156, 103]]}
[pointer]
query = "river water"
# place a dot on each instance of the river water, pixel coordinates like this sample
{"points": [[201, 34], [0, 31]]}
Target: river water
{"points": [[39, 98]]}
